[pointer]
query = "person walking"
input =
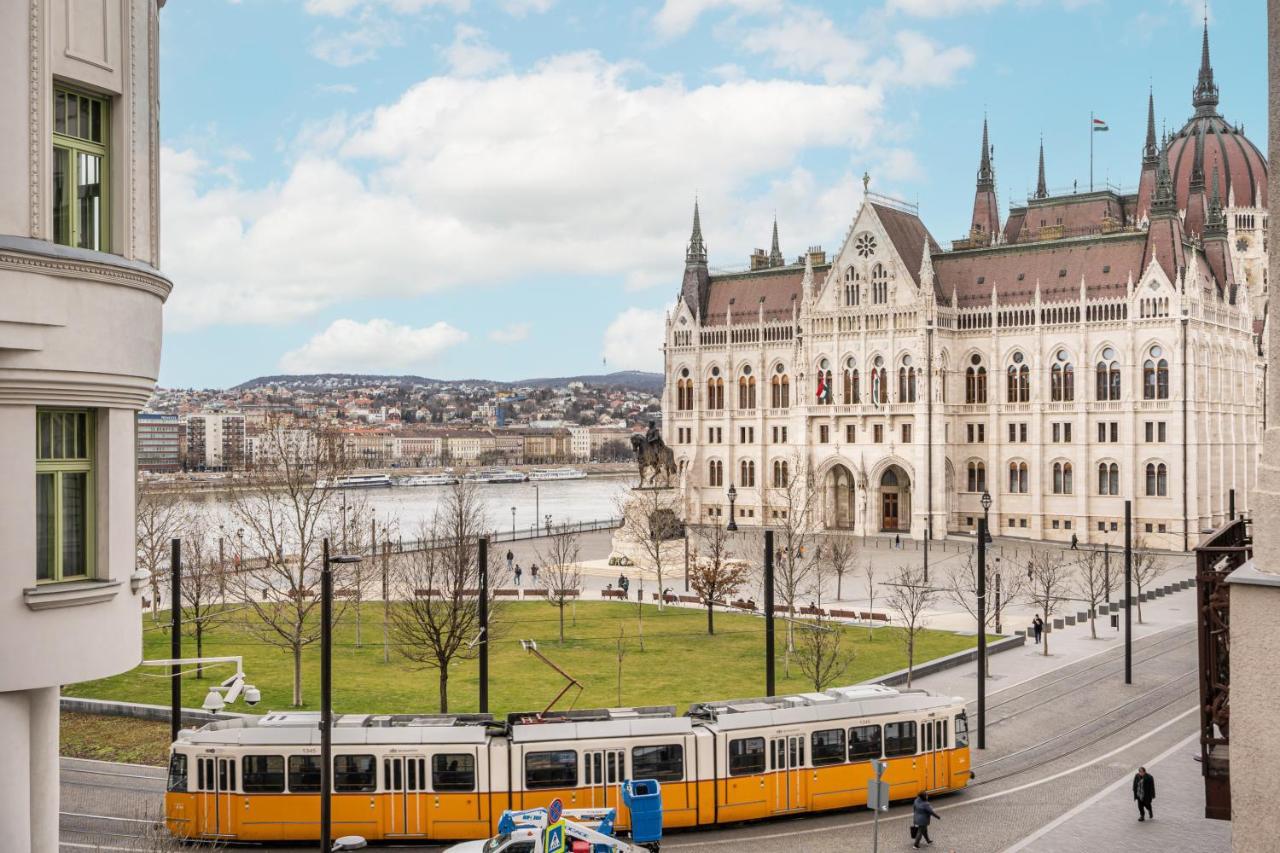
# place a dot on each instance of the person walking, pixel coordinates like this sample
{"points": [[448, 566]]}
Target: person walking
{"points": [[1037, 627], [921, 813], [518, 573], [533, 573], [624, 585], [510, 559], [1075, 543], [1144, 791]]}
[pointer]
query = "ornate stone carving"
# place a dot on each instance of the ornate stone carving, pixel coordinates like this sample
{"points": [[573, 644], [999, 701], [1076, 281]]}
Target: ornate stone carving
{"points": [[33, 130]]}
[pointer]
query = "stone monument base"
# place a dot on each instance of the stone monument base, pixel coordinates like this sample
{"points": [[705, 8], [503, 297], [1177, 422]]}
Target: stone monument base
{"points": [[628, 543]]}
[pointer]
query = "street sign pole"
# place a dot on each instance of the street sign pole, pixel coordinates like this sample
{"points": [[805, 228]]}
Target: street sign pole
{"points": [[878, 801]]}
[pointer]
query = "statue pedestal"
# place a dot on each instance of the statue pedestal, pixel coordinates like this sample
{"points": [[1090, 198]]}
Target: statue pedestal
{"points": [[632, 540]]}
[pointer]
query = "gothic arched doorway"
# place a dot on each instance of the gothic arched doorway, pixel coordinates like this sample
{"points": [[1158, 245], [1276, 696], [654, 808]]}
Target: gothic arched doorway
{"points": [[895, 500], [840, 495]]}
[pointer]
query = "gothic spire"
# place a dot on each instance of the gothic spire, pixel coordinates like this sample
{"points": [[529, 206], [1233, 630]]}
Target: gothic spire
{"points": [[1216, 221], [986, 176], [697, 253], [775, 253], [1205, 96], [1149, 151], [1164, 200], [1042, 191]]}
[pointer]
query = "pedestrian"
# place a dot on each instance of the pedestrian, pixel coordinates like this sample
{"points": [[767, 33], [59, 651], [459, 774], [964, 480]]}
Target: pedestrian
{"points": [[1144, 791], [624, 585], [533, 572], [510, 559], [921, 814], [897, 541], [1075, 543], [1037, 626], [518, 573]]}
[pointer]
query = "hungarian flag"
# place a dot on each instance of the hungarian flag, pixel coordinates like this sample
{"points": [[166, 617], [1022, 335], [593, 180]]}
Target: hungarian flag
{"points": [[822, 387], [1099, 125]]}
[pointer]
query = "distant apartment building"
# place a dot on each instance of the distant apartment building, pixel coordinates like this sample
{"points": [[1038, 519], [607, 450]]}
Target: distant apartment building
{"points": [[545, 446], [270, 448], [580, 443], [508, 447], [159, 443], [468, 447], [609, 442], [369, 448], [419, 450], [215, 441]]}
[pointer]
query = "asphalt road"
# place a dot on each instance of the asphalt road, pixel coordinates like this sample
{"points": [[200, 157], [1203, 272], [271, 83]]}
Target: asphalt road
{"points": [[1053, 742]]}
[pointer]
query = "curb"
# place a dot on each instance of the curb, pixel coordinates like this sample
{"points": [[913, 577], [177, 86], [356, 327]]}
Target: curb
{"points": [[138, 711], [951, 661]]}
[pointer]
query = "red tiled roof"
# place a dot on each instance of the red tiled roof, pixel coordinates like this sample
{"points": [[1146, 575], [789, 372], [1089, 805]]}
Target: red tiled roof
{"points": [[742, 293], [1243, 168], [908, 235], [1075, 215]]}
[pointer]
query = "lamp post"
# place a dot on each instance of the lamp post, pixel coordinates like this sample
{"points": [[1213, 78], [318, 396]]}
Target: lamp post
{"points": [[537, 508], [733, 522], [175, 638], [513, 524], [326, 694], [982, 621]]}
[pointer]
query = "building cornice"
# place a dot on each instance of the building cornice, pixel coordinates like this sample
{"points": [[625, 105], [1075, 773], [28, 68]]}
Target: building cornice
{"points": [[38, 256], [73, 388]]}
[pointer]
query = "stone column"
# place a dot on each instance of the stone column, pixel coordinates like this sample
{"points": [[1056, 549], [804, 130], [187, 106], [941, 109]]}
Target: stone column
{"points": [[44, 721], [15, 783]]}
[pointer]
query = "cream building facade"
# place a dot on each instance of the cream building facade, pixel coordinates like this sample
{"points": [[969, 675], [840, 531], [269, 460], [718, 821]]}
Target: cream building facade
{"points": [[1091, 348], [80, 332]]}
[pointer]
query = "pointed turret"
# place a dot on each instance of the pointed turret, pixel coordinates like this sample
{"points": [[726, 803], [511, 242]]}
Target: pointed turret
{"points": [[1205, 96], [1215, 224], [1216, 250], [697, 252], [775, 253], [695, 287], [986, 214], [1150, 164], [1150, 153], [1042, 190], [1165, 237]]}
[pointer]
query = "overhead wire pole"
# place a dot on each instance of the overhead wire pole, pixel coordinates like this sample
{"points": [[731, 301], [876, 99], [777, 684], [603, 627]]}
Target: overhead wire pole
{"points": [[1128, 595], [482, 558], [768, 613], [982, 633], [175, 638], [326, 709]]}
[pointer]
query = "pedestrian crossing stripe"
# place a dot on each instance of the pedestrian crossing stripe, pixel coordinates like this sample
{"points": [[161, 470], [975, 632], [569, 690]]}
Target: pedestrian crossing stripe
{"points": [[554, 840]]}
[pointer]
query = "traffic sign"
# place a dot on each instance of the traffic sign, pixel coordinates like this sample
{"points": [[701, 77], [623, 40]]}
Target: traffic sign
{"points": [[554, 842], [878, 796], [555, 811], [880, 767]]}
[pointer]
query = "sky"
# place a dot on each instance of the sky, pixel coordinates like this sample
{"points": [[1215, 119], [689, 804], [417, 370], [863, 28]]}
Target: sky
{"points": [[503, 189]]}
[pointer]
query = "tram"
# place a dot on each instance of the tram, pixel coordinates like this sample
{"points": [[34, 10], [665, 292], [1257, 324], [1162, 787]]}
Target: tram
{"points": [[450, 777]]}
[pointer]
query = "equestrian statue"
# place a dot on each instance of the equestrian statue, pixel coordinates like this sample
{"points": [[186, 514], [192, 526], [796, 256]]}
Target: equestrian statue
{"points": [[653, 457]]}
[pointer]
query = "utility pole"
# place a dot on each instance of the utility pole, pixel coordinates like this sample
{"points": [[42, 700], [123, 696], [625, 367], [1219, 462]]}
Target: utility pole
{"points": [[768, 612], [1128, 595], [175, 638], [997, 610], [326, 693], [386, 596], [482, 558], [982, 633]]}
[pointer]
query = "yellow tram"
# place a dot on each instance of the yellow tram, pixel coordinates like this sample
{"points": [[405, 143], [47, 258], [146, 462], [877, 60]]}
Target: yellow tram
{"points": [[447, 777]]}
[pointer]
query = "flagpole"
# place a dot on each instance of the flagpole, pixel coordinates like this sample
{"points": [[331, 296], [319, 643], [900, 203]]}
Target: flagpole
{"points": [[1090, 151]]}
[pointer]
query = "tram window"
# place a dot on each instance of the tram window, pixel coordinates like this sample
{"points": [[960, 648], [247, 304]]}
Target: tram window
{"points": [[263, 774], [828, 747], [455, 772], [746, 756], [962, 730], [664, 763], [304, 774], [864, 743], [177, 772], [202, 772], [355, 773], [223, 783], [551, 769], [413, 774], [899, 738]]}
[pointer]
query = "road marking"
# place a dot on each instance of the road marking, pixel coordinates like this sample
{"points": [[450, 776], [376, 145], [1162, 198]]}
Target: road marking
{"points": [[1049, 827], [106, 817], [905, 815]]}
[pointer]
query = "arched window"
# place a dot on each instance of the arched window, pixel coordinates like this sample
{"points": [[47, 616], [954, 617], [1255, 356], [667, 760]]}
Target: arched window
{"points": [[1155, 375], [1062, 379], [852, 286], [1108, 376], [748, 473], [879, 382], [823, 390], [684, 391], [780, 389], [1018, 382], [975, 381], [879, 285], [977, 476], [850, 381], [1018, 477], [780, 474], [715, 390], [1157, 480], [1108, 478], [1062, 478], [746, 389], [906, 381], [715, 473]]}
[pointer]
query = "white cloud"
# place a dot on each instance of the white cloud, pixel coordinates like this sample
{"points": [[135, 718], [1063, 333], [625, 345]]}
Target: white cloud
{"points": [[941, 8], [340, 8], [376, 346], [511, 334], [520, 8], [633, 340], [355, 46], [471, 55], [568, 169], [900, 164], [806, 41], [922, 63], [677, 17]]}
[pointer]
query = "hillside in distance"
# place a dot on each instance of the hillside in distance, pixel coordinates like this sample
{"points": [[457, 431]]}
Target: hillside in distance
{"points": [[637, 380]]}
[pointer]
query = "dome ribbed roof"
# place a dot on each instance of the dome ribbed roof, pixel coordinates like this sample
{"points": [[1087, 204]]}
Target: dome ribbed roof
{"points": [[1242, 167]]}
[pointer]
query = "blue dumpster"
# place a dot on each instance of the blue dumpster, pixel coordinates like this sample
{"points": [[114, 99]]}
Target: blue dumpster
{"points": [[644, 798]]}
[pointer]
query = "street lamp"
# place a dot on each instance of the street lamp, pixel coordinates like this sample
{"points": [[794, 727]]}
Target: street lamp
{"points": [[547, 525], [983, 533], [537, 508], [326, 699], [733, 496], [513, 524]]}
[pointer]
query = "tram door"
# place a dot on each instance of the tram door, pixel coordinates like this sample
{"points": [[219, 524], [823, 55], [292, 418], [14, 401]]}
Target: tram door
{"points": [[404, 778], [605, 772], [937, 756], [217, 777], [786, 763]]}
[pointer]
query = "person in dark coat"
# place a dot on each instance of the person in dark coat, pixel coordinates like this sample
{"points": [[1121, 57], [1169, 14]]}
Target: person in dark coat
{"points": [[1144, 791], [1037, 626], [519, 572], [921, 813]]}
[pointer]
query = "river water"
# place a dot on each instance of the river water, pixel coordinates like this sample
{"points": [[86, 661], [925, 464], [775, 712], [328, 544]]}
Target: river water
{"points": [[590, 499]]}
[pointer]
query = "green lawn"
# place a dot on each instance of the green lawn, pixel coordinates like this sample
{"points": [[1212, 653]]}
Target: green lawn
{"points": [[680, 662]]}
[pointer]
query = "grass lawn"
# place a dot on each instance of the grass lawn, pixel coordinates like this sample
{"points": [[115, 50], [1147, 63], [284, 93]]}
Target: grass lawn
{"points": [[115, 739], [680, 662]]}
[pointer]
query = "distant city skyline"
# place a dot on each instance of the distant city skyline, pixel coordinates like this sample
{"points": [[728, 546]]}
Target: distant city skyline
{"points": [[502, 189]]}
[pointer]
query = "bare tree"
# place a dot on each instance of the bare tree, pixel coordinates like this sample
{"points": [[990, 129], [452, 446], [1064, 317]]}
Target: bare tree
{"points": [[437, 622], [712, 574], [962, 588], [352, 530], [793, 502], [820, 655], [161, 517], [1147, 568], [203, 607], [909, 597], [560, 575], [621, 653], [283, 509], [1048, 584], [649, 521], [1094, 580], [840, 552]]}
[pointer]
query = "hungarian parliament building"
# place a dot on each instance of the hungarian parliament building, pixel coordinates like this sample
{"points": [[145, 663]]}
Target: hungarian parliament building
{"points": [[1093, 348]]}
